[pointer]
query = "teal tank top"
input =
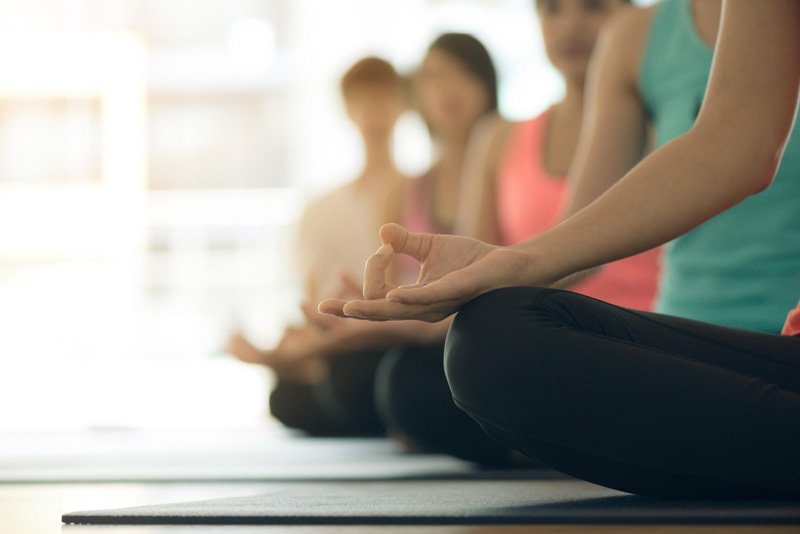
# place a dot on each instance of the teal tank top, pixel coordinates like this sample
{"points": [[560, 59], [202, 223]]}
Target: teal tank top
{"points": [[741, 268]]}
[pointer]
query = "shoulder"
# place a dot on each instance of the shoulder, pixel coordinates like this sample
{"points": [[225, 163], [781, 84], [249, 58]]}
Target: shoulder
{"points": [[632, 21], [626, 34], [333, 198], [623, 40]]}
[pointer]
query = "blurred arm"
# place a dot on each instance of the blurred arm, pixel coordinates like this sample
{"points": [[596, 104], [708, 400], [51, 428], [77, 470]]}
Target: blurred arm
{"points": [[477, 208], [613, 132]]}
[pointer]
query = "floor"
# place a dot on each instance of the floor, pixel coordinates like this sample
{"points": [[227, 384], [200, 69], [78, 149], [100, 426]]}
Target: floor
{"points": [[36, 509], [30, 502]]}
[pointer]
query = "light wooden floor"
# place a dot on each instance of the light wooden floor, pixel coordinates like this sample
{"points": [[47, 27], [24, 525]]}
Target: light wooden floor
{"points": [[37, 509]]}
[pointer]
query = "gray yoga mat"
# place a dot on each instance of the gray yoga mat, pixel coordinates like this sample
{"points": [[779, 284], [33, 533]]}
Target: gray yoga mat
{"points": [[446, 502], [174, 456]]}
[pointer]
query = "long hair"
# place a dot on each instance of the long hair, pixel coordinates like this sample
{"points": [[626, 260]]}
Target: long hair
{"points": [[474, 57]]}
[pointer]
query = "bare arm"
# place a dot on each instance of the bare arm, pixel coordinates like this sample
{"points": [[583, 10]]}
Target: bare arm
{"points": [[477, 207], [613, 132], [731, 152]]}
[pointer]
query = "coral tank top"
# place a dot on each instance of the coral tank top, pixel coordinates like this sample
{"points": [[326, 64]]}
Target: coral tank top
{"points": [[792, 326], [529, 202]]}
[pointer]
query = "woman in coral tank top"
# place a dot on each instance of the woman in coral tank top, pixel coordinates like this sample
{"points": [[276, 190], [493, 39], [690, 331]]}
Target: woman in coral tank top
{"points": [[520, 187]]}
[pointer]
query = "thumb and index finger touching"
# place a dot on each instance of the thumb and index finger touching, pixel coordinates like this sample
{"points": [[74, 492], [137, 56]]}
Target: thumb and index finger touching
{"points": [[404, 242], [395, 240], [418, 246]]}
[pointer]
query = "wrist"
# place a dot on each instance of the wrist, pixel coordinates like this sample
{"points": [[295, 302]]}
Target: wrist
{"points": [[543, 264]]}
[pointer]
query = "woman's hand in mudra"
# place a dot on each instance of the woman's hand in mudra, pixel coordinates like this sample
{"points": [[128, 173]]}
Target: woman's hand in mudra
{"points": [[454, 270]]}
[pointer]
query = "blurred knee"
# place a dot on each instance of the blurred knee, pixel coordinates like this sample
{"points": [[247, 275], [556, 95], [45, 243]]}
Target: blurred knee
{"points": [[285, 403], [417, 404], [408, 382], [295, 405]]}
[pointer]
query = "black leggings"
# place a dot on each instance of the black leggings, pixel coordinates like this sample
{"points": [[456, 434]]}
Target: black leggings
{"points": [[414, 400], [340, 405], [403, 390], [641, 402]]}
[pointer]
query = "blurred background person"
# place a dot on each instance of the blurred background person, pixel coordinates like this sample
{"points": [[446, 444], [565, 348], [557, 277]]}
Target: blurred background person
{"points": [[455, 90], [514, 187], [327, 368], [313, 394], [518, 184]]}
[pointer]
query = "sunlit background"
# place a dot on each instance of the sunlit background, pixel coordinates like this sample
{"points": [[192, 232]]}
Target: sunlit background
{"points": [[155, 156]]}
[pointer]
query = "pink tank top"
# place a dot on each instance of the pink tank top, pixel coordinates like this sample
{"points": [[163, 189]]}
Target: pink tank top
{"points": [[418, 207], [529, 202], [418, 217]]}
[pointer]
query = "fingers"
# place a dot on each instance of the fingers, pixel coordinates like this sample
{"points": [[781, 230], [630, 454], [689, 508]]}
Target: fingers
{"points": [[454, 287], [332, 307], [384, 310], [243, 350], [411, 286], [404, 242], [314, 317], [375, 285]]}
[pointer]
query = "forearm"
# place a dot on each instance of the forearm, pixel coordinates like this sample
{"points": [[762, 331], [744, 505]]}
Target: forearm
{"points": [[477, 213], [576, 278], [677, 188]]}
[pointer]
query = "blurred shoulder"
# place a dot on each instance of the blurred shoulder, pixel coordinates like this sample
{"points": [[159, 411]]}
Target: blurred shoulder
{"points": [[342, 195], [632, 21], [624, 38]]}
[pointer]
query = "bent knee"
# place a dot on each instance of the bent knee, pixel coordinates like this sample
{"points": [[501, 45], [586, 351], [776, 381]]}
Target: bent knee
{"points": [[284, 403], [497, 335], [408, 382]]}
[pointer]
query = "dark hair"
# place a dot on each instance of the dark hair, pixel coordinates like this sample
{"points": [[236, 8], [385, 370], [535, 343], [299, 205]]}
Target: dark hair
{"points": [[372, 71], [474, 57]]}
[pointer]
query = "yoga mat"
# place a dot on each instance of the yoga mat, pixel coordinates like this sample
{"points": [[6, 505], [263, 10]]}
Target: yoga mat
{"points": [[174, 456], [446, 502]]}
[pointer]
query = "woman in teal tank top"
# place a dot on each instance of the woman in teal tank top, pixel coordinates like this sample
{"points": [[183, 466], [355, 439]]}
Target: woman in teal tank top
{"points": [[741, 268]]}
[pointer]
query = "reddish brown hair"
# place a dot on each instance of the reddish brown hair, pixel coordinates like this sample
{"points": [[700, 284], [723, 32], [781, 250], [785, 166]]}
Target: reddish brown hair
{"points": [[372, 71]]}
